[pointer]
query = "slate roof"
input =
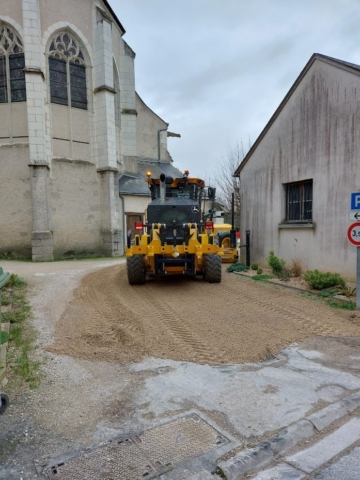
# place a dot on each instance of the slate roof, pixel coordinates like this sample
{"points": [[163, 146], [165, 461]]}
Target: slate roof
{"points": [[350, 67], [135, 184]]}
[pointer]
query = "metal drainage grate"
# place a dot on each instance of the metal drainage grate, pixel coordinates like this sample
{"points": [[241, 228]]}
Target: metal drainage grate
{"points": [[146, 456]]}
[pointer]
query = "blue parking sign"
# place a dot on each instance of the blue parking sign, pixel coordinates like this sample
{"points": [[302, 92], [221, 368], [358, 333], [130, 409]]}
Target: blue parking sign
{"points": [[355, 200]]}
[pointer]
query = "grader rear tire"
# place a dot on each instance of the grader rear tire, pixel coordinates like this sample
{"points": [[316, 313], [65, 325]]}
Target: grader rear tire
{"points": [[212, 272], [4, 403], [135, 270]]}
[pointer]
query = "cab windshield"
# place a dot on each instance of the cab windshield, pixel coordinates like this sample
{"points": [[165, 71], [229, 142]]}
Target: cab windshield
{"points": [[185, 190]]}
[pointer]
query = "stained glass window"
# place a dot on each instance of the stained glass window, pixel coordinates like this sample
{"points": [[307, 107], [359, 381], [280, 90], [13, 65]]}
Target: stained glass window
{"points": [[3, 82], [12, 64], [58, 81], [17, 77], [67, 72]]}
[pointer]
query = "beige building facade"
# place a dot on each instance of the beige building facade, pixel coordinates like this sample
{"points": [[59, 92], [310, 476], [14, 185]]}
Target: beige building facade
{"points": [[297, 178], [72, 125]]}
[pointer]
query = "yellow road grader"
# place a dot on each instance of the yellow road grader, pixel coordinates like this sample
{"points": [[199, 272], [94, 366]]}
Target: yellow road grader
{"points": [[178, 236]]}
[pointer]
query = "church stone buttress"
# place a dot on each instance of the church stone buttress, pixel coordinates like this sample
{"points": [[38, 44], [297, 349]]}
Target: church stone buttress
{"points": [[41, 238], [106, 135]]}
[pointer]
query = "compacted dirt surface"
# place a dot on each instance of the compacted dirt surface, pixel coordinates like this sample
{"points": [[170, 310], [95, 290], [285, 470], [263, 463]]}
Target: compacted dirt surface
{"points": [[118, 359], [187, 319]]}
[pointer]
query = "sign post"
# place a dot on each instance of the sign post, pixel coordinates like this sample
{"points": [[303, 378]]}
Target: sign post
{"points": [[358, 278], [354, 238]]}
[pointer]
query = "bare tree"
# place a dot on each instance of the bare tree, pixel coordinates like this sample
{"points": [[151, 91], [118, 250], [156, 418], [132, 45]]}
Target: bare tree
{"points": [[225, 182]]}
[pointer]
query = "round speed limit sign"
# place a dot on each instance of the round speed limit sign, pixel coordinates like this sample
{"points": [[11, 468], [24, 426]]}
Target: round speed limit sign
{"points": [[354, 234]]}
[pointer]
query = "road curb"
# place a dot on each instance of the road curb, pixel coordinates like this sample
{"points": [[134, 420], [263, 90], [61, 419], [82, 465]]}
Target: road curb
{"points": [[265, 451]]}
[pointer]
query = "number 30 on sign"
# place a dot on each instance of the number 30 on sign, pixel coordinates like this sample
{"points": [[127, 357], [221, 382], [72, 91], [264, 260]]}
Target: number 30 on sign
{"points": [[354, 234]]}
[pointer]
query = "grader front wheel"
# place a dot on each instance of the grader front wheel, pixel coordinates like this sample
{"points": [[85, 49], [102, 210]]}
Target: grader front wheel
{"points": [[135, 270], [212, 273], [4, 403]]}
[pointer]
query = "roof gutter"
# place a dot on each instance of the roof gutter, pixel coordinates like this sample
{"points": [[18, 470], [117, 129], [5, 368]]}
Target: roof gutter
{"points": [[124, 219]]}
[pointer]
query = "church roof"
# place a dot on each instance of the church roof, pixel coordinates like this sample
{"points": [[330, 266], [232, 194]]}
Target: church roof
{"points": [[135, 184]]}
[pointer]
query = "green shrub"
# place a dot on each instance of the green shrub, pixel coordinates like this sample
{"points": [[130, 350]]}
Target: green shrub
{"points": [[319, 280], [259, 271], [15, 281], [276, 264], [237, 267], [254, 266]]}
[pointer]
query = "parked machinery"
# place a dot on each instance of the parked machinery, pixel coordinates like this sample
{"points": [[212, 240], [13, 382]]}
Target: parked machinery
{"points": [[228, 251], [178, 238]]}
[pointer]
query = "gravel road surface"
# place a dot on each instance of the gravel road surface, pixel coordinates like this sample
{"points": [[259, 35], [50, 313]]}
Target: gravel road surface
{"points": [[118, 358]]}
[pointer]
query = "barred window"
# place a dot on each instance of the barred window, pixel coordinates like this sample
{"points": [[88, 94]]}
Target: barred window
{"points": [[67, 72], [299, 201], [12, 64]]}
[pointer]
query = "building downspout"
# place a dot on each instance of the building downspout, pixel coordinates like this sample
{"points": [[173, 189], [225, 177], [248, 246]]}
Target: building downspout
{"points": [[124, 222]]}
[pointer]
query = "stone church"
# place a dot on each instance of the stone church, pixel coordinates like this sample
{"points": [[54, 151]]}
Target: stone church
{"points": [[72, 130]]}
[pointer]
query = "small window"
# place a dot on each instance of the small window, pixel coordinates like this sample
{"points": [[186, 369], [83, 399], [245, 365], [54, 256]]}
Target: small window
{"points": [[67, 72], [299, 201], [12, 64]]}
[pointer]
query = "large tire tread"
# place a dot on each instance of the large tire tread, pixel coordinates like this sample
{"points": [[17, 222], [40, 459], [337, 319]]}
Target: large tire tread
{"points": [[135, 270], [212, 272], [4, 403]]}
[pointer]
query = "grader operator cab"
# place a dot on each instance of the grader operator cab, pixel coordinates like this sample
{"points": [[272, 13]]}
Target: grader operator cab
{"points": [[178, 238]]}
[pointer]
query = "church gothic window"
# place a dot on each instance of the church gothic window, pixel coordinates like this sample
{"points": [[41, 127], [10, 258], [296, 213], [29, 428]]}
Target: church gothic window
{"points": [[67, 72], [12, 64]]}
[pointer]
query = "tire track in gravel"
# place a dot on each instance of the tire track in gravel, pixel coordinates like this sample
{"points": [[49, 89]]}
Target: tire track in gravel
{"points": [[164, 316], [189, 342]]}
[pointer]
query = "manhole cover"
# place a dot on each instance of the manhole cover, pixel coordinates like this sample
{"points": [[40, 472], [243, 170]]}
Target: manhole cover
{"points": [[145, 456]]}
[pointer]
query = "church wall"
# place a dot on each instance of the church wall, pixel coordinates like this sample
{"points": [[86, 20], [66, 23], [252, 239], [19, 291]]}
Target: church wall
{"points": [[75, 208], [78, 12], [15, 200], [11, 10], [148, 125], [59, 164], [13, 124]]}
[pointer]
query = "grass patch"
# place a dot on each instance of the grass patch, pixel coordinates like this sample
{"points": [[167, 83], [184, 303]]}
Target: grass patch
{"points": [[350, 305], [21, 367], [4, 336], [261, 277], [5, 300], [328, 292]]}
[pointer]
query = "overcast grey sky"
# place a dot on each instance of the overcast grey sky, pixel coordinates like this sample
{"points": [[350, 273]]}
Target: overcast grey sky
{"points": [[216, 70]]}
